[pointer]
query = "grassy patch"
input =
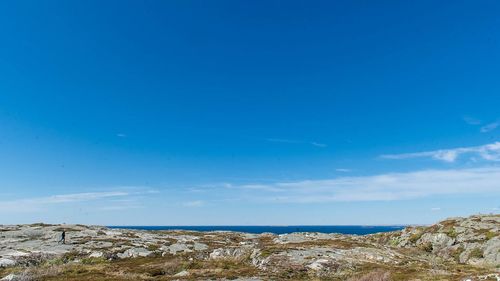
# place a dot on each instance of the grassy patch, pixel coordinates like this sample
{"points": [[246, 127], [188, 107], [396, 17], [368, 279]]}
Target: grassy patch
{"points": [[153, 247], [427, 246], [490, 235], [415, 237], [476, 253], [456, 254], [451, 232]]}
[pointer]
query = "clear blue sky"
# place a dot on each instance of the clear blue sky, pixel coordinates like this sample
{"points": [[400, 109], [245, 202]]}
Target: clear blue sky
{"points": [[248, 112]]}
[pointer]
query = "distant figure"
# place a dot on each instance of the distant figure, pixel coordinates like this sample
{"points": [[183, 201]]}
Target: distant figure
{"points": [[63, 237]]}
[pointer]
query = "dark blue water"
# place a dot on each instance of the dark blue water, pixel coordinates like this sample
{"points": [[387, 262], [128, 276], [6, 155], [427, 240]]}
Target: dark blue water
{"points": [[344, 229]]}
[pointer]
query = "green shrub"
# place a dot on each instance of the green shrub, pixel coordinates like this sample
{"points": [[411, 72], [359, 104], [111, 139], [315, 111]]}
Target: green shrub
{"points": [[93, 260], [490, 235], [414, 237], [456, 254], [394, 242], [153, 247], [476, 253], [451, 232], [426, 247]]}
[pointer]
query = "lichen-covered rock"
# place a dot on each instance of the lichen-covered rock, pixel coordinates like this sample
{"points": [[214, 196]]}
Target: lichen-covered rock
{"points": [[232, 252], [178, 247], [472, 240], [4, 262], [96, 255], [438, 241], [10, 277], [135, 252], [491, 252], [319, 264], [296, 256], [183, 273], [200, 246]]}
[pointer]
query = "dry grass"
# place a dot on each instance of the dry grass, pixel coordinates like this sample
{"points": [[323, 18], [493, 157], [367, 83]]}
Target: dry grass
{"points": [[165, 268], [377, 275], [154, 268]]}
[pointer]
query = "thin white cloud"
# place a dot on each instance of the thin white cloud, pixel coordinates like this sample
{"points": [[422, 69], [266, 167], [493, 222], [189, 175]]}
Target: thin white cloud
{"points": [[343, 170], [436, 209], [313, 143], [121, 135], [120, 207], [39, 203], [193, 204], [383, 187], [483, 129], [489, 152], [471, 120], [489, 127], [76, 197], [317, 144]]}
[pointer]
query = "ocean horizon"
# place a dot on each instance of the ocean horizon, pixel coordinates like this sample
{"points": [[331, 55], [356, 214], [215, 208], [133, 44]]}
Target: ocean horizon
{"points": [[276, 229]]}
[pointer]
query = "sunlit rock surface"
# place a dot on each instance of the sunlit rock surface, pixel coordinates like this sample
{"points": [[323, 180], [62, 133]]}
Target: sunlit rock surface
{"points": [[454, 249]]}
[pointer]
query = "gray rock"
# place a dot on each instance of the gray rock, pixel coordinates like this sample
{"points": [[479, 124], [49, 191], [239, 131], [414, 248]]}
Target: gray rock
{"points": [[135, 252], [230, 252], [200, 246], [492, 251], [178, 247], [10, 277], [318, 264], [96, 255], [475, 240], [438, 241], [182, 274], [5, 262]]}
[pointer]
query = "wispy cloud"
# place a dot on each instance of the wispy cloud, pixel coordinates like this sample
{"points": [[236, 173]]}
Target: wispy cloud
{"points": [[121, 135], [489, 152], [193, 204], [120, 207], [343, 170], [471, 120], [436, 209], [483, 129], [489, 127], [313, 143], [317, 144], [383, 187], [117, 198]]}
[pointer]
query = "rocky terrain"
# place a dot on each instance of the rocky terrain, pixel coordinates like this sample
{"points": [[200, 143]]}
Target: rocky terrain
{"points": [[454, 249]]}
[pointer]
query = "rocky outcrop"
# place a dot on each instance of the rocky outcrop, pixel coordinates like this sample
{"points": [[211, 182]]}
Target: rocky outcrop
{"points": [[474, 241]]}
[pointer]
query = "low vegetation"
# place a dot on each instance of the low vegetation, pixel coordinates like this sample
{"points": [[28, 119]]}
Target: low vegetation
{"points": [[97, 253]]}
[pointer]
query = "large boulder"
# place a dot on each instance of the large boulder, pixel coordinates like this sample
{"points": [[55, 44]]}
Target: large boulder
{"points": [[439, 241], [179, 247], [491, 252]]}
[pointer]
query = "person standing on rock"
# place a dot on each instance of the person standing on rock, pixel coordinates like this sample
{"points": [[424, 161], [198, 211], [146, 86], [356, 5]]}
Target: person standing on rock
{"points": [[63, 237]]}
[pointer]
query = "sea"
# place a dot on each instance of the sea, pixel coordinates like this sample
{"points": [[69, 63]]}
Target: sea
{"points": [[343, 229]]}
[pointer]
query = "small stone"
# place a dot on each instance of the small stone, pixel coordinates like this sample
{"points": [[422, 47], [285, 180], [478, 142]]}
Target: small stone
{"points": [[182, 274], [4, 262], [135, 252], [10, 277], [96, 255]]}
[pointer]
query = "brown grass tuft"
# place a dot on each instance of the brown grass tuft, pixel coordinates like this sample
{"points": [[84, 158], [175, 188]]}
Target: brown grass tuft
{"points": [[377, 275]]}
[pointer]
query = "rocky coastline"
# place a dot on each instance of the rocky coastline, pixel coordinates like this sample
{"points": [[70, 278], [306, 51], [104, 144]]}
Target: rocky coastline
{"points": [[453, 249]]}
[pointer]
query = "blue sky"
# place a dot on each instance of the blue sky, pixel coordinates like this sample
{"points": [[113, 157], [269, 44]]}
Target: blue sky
{"points": [[248, 112]]}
